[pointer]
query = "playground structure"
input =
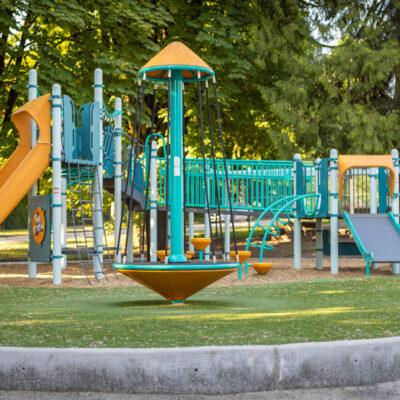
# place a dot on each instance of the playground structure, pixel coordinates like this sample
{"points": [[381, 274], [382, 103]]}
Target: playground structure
{"points": [[151, 176]]}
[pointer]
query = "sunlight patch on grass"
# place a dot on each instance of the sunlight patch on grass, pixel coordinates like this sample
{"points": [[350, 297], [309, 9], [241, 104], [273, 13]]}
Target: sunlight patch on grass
{"points": [[289, 314], [365, 322], [28, 322], [39, 276], [331, 292]]}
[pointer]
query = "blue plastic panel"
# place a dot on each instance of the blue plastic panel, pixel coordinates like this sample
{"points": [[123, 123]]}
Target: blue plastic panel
{"points": [[69, 131], [82, 143], [108, 151]]}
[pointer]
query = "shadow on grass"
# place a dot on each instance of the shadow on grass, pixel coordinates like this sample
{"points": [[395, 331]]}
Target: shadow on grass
{"points": [[166, 303]]}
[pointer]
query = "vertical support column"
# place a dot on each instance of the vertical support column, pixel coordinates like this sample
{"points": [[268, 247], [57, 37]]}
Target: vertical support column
{"points": [[207, 227], [64, 220], [227, 239], [396, 200], [191, 230], [319, 256], [382, 189], [129, 238], [56, 178], [32, 94], [373, 204], [117, 175], [334, 211], [351, 190], [227, 219], [176, 169], [98, 183], [153, 201], [207, 234], [297, 221]]}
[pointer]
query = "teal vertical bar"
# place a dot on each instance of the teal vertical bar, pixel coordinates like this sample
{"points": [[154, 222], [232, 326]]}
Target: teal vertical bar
{"points": [[383, 190], [176, 169]]}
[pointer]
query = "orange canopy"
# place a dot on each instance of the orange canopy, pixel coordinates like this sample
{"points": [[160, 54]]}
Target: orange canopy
{"points": [[176, 56], [347, 162]]}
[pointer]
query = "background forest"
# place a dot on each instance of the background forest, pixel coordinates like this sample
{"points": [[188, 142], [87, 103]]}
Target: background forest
{"points": [[293, 75]]}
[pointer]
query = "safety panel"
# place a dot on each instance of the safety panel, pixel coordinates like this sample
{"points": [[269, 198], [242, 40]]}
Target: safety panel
{"points": [[108, 153], [89, 133], [81, 143], [40, 228], [69, 131]]}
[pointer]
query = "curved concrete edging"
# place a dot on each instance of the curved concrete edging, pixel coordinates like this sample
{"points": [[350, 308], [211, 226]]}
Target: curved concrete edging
{"points": [[201, 370]]}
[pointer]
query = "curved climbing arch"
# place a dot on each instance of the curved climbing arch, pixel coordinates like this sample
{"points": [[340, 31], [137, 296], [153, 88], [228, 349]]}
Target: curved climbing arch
{"points": [[283, 211]]}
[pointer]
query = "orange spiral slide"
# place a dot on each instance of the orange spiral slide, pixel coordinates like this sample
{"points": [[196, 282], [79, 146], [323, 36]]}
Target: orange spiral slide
{"points": [[27, 164]]}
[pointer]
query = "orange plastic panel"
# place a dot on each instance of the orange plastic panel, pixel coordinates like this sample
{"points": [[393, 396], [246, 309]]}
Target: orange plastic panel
{"points": [[176, 53], [26, 165], [176, 285], [347, 162]]}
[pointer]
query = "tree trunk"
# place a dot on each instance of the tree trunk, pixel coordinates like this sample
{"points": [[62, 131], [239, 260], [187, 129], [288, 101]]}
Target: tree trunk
{"points": [[13, 93]]}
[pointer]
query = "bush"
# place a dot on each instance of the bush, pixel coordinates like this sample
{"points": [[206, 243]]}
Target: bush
{"points": [[18, 219]]}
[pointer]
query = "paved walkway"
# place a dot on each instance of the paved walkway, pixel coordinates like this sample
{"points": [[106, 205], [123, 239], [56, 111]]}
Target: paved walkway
{"points": [[383, 391]]}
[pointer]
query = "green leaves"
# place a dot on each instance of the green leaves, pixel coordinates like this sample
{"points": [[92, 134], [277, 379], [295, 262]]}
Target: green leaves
{"points": [[280, 92]]}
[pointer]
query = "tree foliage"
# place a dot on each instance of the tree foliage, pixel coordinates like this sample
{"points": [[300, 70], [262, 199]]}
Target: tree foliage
{"points": [[293, 75]]}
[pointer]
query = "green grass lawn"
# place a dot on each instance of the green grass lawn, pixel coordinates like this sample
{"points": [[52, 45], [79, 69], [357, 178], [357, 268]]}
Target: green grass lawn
{"points": [[267, 314]]}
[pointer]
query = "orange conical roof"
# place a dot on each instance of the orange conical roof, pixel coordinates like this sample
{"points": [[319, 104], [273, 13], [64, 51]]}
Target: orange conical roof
{"points": [[177, 55]]}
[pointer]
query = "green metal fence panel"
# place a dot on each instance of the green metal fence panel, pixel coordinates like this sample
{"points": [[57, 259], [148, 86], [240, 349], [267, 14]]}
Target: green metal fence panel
{"points": [[254, 185]]}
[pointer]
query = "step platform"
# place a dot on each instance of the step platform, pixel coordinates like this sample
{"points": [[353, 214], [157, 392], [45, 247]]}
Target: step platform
{"points": [[176, 281]]}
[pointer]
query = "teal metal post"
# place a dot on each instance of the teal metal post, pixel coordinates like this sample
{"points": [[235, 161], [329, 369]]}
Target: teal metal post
{"points": [[383, 189], [176, 168]]}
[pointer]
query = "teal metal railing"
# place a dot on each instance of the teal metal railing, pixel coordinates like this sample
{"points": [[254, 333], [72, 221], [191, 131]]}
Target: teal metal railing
{"points": [[254, 185]]}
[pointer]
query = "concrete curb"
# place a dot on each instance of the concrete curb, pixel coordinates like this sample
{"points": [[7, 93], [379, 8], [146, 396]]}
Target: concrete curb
{"points": [[201, 370]]}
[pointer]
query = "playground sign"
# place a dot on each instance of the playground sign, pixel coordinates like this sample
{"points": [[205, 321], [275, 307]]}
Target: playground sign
{"points": [[40, 229]]}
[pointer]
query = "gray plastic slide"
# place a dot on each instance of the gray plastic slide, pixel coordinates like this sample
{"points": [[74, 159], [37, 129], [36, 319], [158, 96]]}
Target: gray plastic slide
{"points": [[378, 234]]}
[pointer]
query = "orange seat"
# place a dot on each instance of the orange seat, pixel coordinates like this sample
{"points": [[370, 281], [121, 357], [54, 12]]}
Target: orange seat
{"points": [[190, 254], [243, 255], [161, 254], [262, 268], [200, 244]]}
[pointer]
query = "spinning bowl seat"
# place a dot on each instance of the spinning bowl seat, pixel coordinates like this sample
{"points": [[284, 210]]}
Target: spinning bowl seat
{"points": [[176, 281], [262, 268], [243, 255], [200, 244]]}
